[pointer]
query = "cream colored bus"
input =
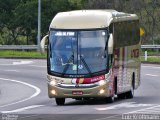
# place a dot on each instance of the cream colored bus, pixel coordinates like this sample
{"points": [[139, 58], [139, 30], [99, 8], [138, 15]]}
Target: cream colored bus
{"points": [[93, 54]]}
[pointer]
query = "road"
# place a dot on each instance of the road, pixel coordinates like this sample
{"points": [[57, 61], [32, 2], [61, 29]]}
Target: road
{"points": [[23, 95]]}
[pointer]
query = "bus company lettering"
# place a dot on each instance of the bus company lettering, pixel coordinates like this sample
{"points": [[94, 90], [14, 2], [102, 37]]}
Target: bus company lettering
{"points": [[135, 53], [90, 80]]}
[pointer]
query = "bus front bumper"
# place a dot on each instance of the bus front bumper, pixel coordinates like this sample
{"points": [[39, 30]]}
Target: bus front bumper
{"points": [[77, 92]]}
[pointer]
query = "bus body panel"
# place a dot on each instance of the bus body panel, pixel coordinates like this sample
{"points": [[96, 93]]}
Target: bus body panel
{"points": [[89, 19], [125, 65]]}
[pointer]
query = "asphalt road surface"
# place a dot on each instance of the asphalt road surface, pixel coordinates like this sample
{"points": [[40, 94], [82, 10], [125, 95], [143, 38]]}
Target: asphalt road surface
{"points": [[23, 96]]}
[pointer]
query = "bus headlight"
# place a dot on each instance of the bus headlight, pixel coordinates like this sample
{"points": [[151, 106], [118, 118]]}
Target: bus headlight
{"points": [[53, 81], [102, 82], [53, 92], [101, 91]]}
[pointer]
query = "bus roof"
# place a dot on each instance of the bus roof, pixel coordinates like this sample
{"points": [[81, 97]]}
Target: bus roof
{"points": [[88, 19]]}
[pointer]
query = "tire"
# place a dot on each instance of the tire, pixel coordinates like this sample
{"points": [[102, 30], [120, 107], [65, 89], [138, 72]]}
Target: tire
{"points": [[86, 99], [110, 99], [78, 98], [60, 101], [130, 94], [121, 96]]}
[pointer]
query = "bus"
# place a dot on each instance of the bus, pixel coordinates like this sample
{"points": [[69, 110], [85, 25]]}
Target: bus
{"points": [[93, 54]]}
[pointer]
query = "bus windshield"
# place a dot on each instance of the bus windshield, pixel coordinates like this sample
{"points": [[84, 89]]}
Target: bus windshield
{"points": [[78, 52]]}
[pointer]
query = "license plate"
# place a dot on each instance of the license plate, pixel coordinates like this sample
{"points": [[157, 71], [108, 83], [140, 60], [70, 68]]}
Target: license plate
{"points": [[77, 93]]}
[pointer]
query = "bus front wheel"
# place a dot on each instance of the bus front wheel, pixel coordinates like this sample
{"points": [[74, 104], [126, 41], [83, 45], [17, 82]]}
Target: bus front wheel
{"points": [[130, 94], [60, 101], [110, 99]]}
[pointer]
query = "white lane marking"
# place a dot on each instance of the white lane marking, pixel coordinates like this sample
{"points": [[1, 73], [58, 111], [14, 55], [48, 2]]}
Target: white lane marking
{"points": [[22, 62], [151, 67], [11, 70], [136, 111], [37, 91], [150, 111], [22, 109], [38, 66], [152, 75], [124, 105], [105, 118], [18, 63], [5, 64], [28, 116]]}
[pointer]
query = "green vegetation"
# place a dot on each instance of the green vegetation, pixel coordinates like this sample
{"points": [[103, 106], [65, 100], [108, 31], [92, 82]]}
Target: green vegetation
{"points": [[34, 54], [151, 59], [18, 18], [21, 54], [150, 53]]}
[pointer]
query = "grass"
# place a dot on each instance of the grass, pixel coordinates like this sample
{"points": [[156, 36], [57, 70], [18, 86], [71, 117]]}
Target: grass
{"points": [[151, 53], [21, 54], [154, 57], [151, 59]]}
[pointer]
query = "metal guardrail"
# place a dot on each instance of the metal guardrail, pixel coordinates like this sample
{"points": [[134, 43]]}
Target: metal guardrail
{"points": [[151, 46], [19, 47], [34, 47]]}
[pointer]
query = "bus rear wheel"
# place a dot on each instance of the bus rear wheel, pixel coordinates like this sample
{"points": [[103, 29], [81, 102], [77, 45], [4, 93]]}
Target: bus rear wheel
{"points": [[130, 94], [127, 95], [121, 96], [60, 101]]}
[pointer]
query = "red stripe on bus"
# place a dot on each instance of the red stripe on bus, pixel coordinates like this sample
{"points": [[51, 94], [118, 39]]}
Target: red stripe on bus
{"points": [[90, 80]]}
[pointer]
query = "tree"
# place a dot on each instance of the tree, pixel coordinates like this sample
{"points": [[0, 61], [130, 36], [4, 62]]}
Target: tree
{"points": [[7, 18], [26, 20], [147, 10], [51, 7], [18, 18]]}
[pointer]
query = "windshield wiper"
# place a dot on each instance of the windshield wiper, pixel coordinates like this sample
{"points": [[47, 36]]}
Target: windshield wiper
{"points": [[85, 64]]}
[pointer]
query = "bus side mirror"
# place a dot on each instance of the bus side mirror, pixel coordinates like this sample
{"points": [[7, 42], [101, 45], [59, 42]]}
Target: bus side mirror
{"points": [[110, 44], [43, 43]]}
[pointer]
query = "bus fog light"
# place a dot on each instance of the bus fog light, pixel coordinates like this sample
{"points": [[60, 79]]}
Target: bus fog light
{"points": [[102, 82], [53, 82], [101, 91], [53, 92]]}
